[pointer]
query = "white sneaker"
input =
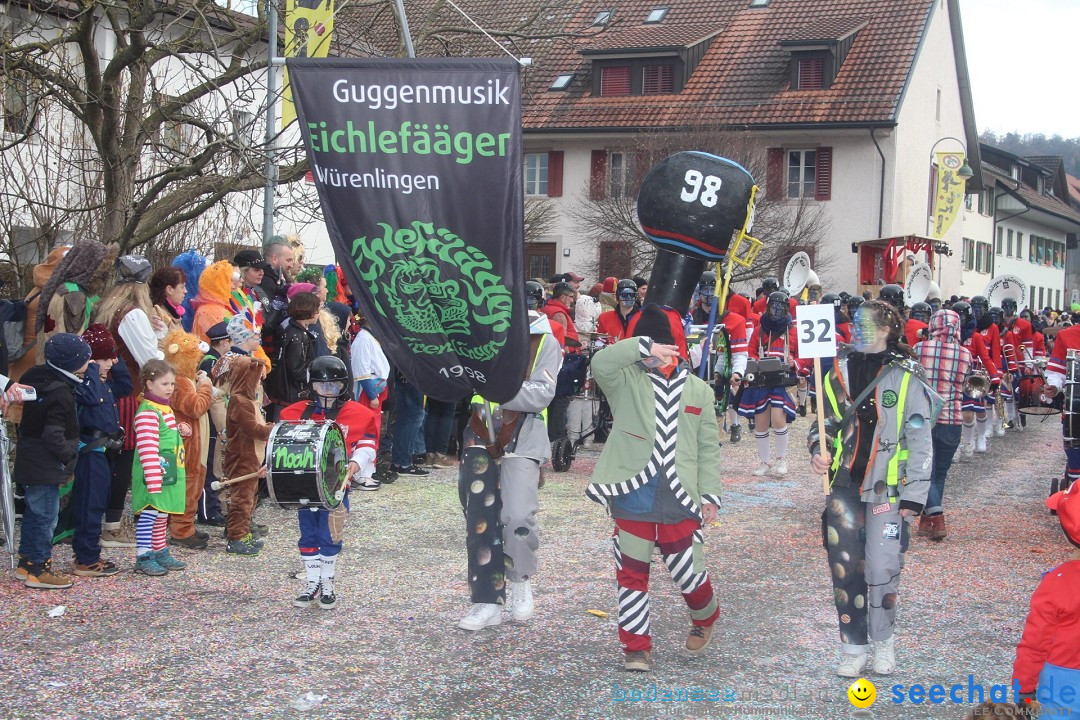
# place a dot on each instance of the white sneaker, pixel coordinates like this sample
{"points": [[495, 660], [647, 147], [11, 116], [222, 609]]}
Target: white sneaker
{"points": [[965, 454], [999, 428], [980, 444], [852, 666], [480, 616], [884, 657], [522, 607], [780, 467], [762, 470]]}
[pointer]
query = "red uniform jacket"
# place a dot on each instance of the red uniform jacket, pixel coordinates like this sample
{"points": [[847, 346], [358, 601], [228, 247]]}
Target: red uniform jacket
{"points": [[992, 337], [776, 348], [1052, 631], [977, 347], [911, 331], [1067, 339], [611, 322], [359, 423], [843, 332]]}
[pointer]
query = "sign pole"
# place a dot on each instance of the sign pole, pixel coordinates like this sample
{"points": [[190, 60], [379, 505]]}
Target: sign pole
{"points": [[818, 388]]}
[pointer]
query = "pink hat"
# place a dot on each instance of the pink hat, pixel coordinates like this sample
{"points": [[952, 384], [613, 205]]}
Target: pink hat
{"points": [[299, 288]]}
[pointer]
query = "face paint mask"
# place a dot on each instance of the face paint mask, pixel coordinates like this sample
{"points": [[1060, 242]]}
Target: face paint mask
{"points": [[864, 331]]}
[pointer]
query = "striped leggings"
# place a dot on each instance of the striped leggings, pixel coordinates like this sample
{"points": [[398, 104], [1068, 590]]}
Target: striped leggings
{"points": [[150, 531], [681, 547]]}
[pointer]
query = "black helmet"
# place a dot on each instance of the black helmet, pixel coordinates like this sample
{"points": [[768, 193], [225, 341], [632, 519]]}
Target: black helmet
{"points": [[327, 369], [963, 309], [979, 305], [830, 299], [534, 295], [708, 280], [770, 285], [778, 307], [921, 311], [626, 290], [997, 315], [853, 303], [1009, 306], [892, 294]]}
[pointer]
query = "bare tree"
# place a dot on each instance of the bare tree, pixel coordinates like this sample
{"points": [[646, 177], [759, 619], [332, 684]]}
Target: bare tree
{"points": [[541, 218], [785, 227]]}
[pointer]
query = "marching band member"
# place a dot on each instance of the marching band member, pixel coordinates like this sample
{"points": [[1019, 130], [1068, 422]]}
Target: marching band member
{"points": [[616, 323], [1067, 339], [1021, 348], [973, 438], [772, 407], [913, 329], [733, 325], [769, 285], [991, 335], [321, 529], [523, 446]]}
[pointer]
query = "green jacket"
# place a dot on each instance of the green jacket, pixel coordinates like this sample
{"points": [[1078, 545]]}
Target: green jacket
{"points": [[629, 446]]}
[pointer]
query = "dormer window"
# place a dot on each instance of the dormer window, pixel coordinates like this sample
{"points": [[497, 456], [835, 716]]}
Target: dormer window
{"points": [[658, 79], [656, 15], [603, 18], [562, 82], [615, 81], [810, 73]]}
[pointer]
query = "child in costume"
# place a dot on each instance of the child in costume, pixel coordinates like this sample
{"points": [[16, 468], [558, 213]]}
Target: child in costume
{"points": [[106, 380], [191, 402], [157, 480], [209, 504], [246, 432], [1047, 666], [320, 529]]}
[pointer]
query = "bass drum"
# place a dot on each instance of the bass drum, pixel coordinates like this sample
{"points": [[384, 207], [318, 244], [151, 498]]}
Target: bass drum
{"points": [[1028, 394], [307, 464]]}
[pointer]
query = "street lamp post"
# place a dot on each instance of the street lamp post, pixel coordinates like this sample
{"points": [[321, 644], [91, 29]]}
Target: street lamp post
{"points": [[964, 172]]}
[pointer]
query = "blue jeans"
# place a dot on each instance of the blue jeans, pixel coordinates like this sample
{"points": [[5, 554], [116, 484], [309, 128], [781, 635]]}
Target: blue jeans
{"points": [[946, 440], [89, 498], [408, 424], [39, 521], [437, 426]]}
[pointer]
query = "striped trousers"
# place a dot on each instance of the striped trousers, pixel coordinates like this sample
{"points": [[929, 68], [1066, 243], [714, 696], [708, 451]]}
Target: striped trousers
{"points": [[680, 545]]}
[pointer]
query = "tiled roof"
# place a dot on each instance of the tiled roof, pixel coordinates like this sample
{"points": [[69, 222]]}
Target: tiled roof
{"points": [[1032, 197], [825, 29], [1074, 190], [742, 80]]}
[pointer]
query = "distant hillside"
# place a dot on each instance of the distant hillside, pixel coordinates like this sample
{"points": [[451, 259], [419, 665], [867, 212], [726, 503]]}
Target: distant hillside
{"points": [[1038, 144]]}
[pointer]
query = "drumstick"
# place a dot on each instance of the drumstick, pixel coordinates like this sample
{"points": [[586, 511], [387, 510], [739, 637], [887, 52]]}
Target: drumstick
{"points": [[218, 484]]}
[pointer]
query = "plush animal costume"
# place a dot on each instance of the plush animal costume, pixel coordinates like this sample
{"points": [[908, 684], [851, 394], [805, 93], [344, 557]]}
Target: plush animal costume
{"points": [[212, 302], [246, 433], [69, 294], [190, 402], [193, 264]]}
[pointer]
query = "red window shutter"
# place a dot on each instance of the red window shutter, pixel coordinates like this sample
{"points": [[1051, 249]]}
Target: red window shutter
{"points": [[615, 81], [811, 74], [823, 177], [598, 175], [774, 179], [555, 162], [657, 80]]}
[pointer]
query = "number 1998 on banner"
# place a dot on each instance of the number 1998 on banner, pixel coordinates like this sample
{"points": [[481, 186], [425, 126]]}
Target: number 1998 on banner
{"points": [[816, 329]]}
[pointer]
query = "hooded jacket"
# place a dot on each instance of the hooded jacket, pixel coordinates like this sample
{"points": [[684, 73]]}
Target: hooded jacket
{"points": [[49, 434], [946, 363], [211, 305], [246, 429]]}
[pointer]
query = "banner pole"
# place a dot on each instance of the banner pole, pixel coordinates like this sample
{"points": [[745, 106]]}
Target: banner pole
{"points": [[821, 418], [271, 122]]}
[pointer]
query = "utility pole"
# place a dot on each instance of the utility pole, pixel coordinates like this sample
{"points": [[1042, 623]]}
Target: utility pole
{"points": [[271, 122]]}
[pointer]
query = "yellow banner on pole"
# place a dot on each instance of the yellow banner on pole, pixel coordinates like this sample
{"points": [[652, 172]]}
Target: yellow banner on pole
{"points": [[309, 25], [949, 193]]}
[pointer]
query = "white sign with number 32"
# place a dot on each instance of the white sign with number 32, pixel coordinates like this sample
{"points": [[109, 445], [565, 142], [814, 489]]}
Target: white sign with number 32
{"points": [[815, 326]]}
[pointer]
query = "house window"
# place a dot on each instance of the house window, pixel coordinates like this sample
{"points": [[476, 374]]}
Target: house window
{"points": [[937, 111], [562, 82], [1009, 244], [536, 173], [657, 80], [986, 203], [983, 252], [603, 18], [615, 259], [967, 257], [1000, 240], [615, 81], [1057, 298], [811, 74], [656, 15], [621, 176], [19, 103], [1040, 298], [969, 201], [759, 3], [801, 173]]}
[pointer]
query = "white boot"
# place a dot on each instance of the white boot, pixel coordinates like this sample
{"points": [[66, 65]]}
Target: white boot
{"points": [[762, 470], [779, 468], [852, 666], [480, 616], [884, 657], [980, 444], [522, 607]]}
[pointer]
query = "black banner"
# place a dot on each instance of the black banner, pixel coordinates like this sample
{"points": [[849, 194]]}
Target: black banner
{"points": [[419, 171]]}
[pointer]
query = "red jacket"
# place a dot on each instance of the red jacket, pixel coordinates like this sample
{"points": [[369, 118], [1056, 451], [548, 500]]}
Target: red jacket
{"points": [[613, 324], [359, 422], [1052, 631], [677, 331], [776, 348], [992, 337], [911, 331], [1018, 337], [843, 332], [1067, 339], [555, 310], [977, 347]]}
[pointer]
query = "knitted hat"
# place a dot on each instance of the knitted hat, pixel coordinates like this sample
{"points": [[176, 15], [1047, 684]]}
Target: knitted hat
{"points": [[299, 288], [653, 322], [609, 285], [1066, 504], [239, 330], [101, 341], [66, 351], [218, 332]]}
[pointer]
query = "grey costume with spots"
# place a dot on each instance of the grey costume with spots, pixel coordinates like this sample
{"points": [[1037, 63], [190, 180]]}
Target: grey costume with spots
{"points": [[519, 473], [866, 548]]}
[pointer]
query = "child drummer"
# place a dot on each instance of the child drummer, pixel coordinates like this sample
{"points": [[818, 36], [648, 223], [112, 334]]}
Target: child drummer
{"points": [[321, 529]]}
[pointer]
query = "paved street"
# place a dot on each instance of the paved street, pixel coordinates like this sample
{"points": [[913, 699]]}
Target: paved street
{"points": [[221, 640]]}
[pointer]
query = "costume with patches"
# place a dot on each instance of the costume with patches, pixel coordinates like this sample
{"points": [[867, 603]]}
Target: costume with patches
{"points": [[191, 403], [660, 464], [158, 488], [881, 464]]}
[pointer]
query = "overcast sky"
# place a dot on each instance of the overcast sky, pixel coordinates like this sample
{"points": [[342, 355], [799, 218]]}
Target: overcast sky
{"points": [[1022, 55]]}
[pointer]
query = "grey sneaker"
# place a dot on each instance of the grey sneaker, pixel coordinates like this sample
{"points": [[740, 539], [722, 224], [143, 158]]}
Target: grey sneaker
{"points": [[147, 564], [246, 545]]}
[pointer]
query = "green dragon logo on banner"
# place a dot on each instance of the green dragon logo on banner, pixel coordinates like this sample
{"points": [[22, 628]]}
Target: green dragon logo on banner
{"points": [[439, 290]]}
